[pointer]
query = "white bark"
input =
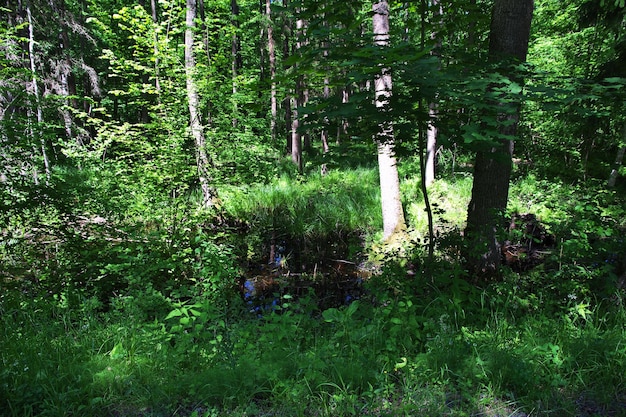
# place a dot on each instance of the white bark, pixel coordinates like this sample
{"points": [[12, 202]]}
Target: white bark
{"points": [[193, 98], [619, 159], [393, 216], [31, 54], [271, 51], [431, 147], [296, 139], [431, 133], [295, 102], [155, 39]]}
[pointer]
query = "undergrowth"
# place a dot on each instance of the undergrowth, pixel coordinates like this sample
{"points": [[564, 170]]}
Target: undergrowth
{"points": [[425, 351], [144, 319]]}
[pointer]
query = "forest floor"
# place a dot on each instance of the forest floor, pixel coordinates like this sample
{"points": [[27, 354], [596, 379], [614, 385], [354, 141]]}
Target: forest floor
{"points": [[232, 317]]}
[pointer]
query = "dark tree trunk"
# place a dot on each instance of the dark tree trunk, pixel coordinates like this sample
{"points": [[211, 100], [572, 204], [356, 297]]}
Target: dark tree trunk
{"points": [[509, 33]]}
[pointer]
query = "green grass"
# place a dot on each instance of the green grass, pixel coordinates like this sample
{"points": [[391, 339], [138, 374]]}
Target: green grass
{"points": [[323, 204], [406, 356], [544, 343]]}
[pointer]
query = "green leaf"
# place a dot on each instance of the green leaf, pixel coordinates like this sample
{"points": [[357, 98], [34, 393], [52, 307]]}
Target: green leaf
{"points": [[330, 315], [403, 362], [117, 352], [174, 313]]}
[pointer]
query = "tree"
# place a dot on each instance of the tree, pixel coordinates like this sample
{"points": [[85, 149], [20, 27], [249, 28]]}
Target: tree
{"points": [[236, 62], [271, 51], [35, 93], [393, 216], [618, 160], [431, 133], [193, 98], [295, 101], [508, 45]]}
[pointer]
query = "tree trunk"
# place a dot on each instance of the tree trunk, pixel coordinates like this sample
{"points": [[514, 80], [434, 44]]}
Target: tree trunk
{"points": [[271, 52], [303, 91], [287, 103], [393, 216], [324, 133], [431, 146], [342, 128], [235, 57], [37, 131], [67, 82], [155, 23], [619, 159], [431, 132], [296, 102], [296, 139], [202, 159], [509, 33]]}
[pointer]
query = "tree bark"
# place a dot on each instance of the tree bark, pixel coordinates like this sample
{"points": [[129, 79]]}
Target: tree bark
{"points": [[342, 128], [509, 34], [193, 98], [296, 138], [35, 91], [431, 132], [235, 57], [271, 52], [287, 103], [619, 159], [431, 145], [155, 23], [326, 95], [393, 215], [296, 101]]}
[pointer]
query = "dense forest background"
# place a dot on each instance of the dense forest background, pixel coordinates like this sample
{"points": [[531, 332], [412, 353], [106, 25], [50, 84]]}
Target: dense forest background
{"points": [[312, 208]]}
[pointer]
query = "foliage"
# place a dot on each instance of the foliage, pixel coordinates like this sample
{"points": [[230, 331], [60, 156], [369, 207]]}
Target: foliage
{"points": [[332, 207], [119, 292]]}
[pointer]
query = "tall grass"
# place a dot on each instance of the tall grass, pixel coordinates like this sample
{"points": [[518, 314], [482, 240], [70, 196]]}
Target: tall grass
{"points": [[321, 210], [321, 205]]}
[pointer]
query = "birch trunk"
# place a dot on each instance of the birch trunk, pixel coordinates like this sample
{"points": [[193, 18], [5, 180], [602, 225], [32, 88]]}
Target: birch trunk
{"points": [[35, 89], [619, 159], [296, 101], [431, 132], [271, 51], [431, 146], [235, 58], [155, 39], [393, 216], [195, 122]]}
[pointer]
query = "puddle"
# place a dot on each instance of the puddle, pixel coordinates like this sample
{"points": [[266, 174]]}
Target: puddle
{"points": [[331, 283]]}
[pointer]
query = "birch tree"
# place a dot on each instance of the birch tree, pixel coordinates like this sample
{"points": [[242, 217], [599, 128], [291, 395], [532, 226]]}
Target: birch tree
{"points": [[393, 216], [193, 99], [271, 52], [619, 159], [35, 131]]}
